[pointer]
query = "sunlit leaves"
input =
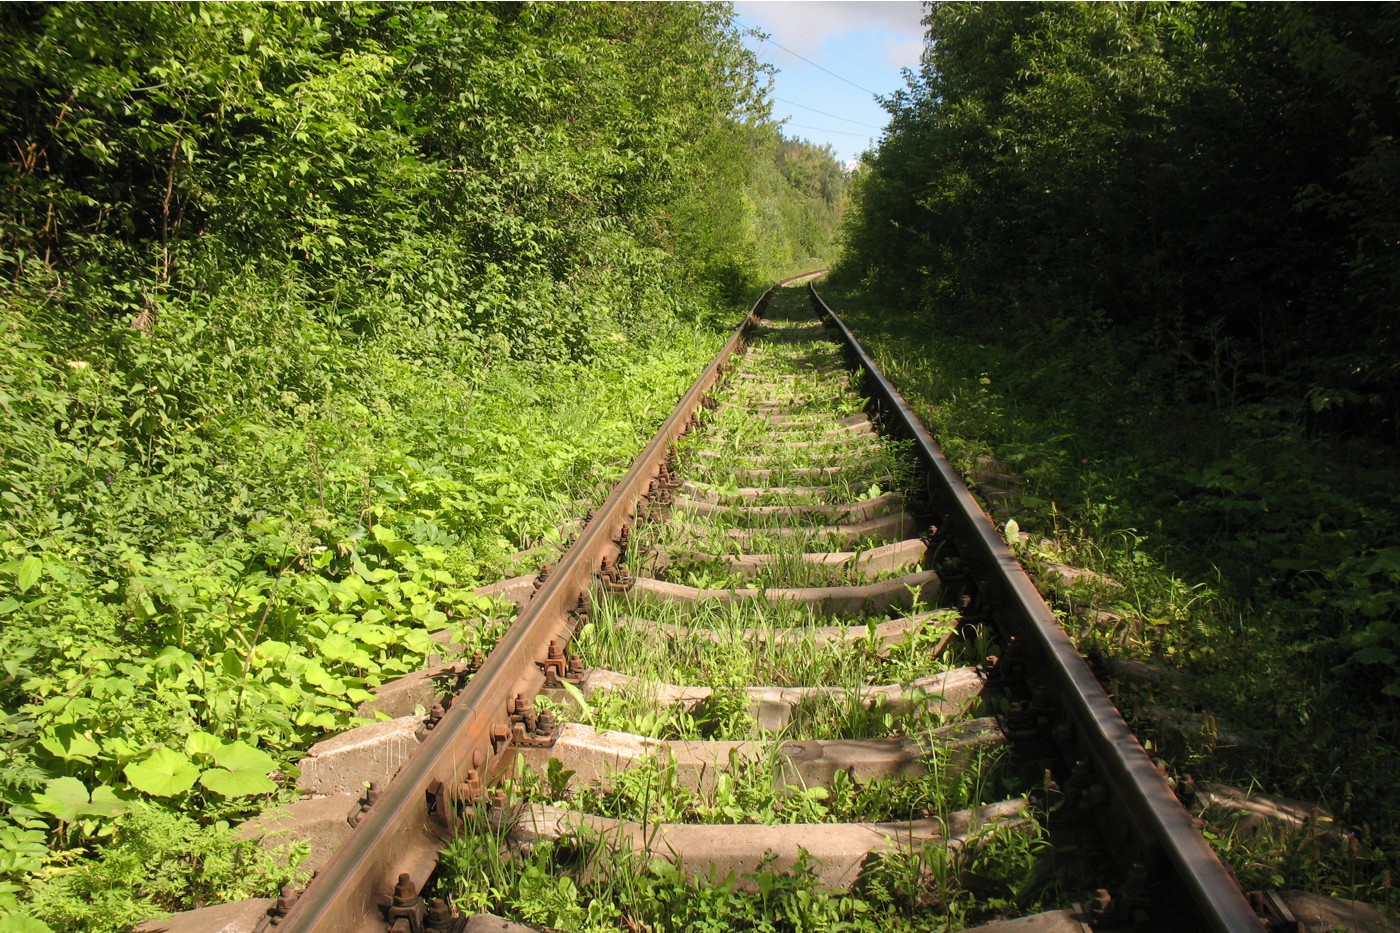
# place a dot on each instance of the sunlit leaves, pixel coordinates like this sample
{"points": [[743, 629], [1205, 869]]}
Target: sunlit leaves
{"points": [[238, 769], [29, 572], [68, 799], [242, 770], [165, 773], [313, 321]]}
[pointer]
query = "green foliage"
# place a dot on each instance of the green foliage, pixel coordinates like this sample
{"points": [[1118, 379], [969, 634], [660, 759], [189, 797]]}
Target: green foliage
{"points": [[584, 883], [1258, 571], [311, 317], [156, 861], [1157, 230], [1080, 170]]}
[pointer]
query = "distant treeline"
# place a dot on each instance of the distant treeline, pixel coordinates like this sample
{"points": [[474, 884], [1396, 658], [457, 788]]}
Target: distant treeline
{"points": [[534, 172]]}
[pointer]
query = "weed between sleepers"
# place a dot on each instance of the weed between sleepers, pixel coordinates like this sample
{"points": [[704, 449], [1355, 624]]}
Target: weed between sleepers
{"points": [[761, 786], [582, 883], [784, 570], [754, 641], [727, 713], [588, 883], [771, 536], [706, 557], [842, 488]]}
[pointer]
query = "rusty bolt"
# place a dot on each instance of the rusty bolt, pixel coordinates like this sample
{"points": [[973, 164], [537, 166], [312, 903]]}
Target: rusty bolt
{"points": [[285, 899], [469, 789], [440, 917], [362, 806], [406, 911], [500, 736]]}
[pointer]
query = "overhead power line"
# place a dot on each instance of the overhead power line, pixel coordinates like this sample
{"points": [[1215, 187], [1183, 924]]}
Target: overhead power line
{"points": [[793, 103], [820, 129], [824, 68]]}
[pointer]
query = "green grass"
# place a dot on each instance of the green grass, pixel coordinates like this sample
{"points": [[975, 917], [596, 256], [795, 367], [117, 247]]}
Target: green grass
{"points": [[757, 789], [755, 641], [581, 883], [303, 556], [585, 883], [1246, 551]]}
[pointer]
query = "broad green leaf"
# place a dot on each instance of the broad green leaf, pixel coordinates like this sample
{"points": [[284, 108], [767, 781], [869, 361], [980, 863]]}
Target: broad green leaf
{"points": [[274, 650], [202, 743], [68, 743], [121, 748], [105, 802], [317, 676], [164, 774], [236, 783], [29, 572], [338, 648], [231, 662], [65, 799], [242, 771], [23, 923], [240, 756]]}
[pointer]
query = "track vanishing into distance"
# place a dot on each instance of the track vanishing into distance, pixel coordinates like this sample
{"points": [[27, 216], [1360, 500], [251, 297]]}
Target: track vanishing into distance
{"points": [[830, 661]]}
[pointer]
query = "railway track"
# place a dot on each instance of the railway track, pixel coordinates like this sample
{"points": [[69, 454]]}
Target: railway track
{"points": [[790, 643]]}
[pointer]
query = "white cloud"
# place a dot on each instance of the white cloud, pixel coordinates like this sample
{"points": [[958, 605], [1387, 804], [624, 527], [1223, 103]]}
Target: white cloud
{"points": [[806, 25], [904, 51]]}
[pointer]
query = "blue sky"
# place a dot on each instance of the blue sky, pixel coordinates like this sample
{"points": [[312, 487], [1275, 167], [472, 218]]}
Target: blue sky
{"points": [[864, 44]]}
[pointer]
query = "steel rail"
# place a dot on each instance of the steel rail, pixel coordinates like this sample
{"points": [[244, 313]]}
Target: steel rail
{"points": [[1138, 789], [405, 830]]}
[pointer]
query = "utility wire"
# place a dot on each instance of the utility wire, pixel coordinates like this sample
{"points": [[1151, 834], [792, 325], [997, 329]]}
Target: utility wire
{"points": [[794, 103], [820, 129], [824, 68]]}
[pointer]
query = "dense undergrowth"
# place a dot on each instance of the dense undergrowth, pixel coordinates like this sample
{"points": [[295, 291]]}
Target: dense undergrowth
{"points": [[312, 316], [1142, 256], [1265, 705]]}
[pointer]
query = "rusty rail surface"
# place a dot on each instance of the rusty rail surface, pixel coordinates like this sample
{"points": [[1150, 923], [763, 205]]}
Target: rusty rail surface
{"points": [[405, 829], [1143, 818]]}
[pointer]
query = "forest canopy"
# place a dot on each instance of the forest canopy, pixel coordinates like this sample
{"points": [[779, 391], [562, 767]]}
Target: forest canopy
{"points": [[1216, 179]]}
